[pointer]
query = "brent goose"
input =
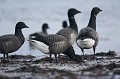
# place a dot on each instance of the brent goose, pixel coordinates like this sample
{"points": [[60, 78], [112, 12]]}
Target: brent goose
{"points": [[88, 37], [43, 32], [57, 43], [50, 44], [70, 32], [64, 24], [12, 42]]}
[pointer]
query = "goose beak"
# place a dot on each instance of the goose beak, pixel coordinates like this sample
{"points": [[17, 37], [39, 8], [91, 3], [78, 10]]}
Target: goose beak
{"points": [[26, 27], [101, 10], [79, 12], [48, 27]]}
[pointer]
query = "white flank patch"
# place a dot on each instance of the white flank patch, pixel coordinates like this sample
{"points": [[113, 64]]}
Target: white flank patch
{"points": [[41, 46], [86, 43]]}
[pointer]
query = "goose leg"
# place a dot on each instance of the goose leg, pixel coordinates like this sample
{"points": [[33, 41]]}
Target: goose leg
{"points": [[50, 58], [56, 58], [83, 54], [4, 56], [94, 50], [7, 57]]}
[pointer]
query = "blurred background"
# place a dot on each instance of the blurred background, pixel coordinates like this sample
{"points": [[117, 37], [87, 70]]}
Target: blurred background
{"points": [[36, 12]]}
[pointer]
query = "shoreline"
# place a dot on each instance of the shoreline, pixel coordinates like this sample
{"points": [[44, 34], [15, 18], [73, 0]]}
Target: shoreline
{"points": [[105, 66]]}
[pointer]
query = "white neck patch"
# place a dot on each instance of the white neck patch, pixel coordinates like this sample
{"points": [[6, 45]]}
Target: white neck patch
{"points": [[72, 17], [95, 15]]}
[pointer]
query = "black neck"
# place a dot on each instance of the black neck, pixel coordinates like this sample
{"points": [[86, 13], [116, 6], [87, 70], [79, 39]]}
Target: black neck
{"points": [[92, 22], [73, 24], [19, 34], [44, 30]]}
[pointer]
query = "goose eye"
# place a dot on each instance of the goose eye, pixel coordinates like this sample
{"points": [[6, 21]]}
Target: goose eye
{"points": [[90, 30]]}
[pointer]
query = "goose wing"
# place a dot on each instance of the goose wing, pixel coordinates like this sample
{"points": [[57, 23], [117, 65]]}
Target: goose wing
{"points": [[9, 43]]}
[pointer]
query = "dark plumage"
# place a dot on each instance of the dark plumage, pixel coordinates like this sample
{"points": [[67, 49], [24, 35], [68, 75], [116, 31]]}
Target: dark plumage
{"points": [[70, 32], [64, 24], [70, 52], [59, 42], [88, 37], [12, 42], [50, 44], [43, 32]]}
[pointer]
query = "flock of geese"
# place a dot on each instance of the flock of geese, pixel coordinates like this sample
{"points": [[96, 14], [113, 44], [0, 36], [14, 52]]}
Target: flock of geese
{"points": [[61, 42]]}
